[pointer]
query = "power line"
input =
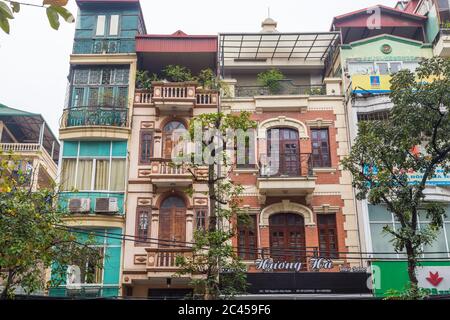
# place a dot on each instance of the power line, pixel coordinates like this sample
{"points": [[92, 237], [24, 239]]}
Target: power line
{"points": [[172, 243]]}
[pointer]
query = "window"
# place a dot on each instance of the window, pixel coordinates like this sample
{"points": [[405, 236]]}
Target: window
{"points": [[247, 239], [382, 68], [320, 148], [95, 166], [327, 235], [101, 22], [103, 86], [245, 155], [172, 131], [114, 25], [374, 116], [91, 271], [200, 219], [146, 147], [142, 224]]}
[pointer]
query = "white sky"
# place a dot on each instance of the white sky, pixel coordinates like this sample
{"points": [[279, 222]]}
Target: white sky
{"points": [[34, 59]]}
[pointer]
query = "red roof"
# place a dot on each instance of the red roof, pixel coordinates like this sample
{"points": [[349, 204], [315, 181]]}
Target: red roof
{"points": [[176, 42], [392, 17]]}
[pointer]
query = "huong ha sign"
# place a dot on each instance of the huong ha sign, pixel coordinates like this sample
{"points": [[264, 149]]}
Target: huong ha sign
{"points": [[270, 265]]}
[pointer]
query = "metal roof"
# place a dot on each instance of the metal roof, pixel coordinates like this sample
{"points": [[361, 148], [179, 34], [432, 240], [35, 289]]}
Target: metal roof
{"points": [[274, 45]]}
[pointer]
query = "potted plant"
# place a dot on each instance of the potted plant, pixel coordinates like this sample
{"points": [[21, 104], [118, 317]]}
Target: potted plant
{"points": [[271, 79], [175, 73], [144, 80]]}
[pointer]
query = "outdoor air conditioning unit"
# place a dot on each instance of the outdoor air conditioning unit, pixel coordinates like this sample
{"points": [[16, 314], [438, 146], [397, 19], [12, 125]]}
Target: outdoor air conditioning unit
{"points": [[106, 205], [79, 205]]}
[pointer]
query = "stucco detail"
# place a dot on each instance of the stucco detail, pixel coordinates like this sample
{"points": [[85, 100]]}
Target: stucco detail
{"points": [[286, 206], [282, 121]]}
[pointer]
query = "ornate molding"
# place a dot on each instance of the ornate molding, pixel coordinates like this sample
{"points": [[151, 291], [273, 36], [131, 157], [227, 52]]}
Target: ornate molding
{"points": [[287, 206], [320, 123], [282, 121], [326, 208]]}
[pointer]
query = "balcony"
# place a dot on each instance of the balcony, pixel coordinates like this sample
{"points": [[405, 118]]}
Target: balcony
{"points": [[164, 173], [290, 175], [103, 46], [286, 88], [32, 151], [164, 260], [181, 96], [98, 122], [441, 45]]}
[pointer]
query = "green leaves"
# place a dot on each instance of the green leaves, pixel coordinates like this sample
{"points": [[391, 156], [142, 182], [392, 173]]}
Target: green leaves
{"points": [[54, 10], [5, 15]]}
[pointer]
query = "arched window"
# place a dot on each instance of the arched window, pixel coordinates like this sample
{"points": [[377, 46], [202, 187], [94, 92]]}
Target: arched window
{"points": [[169, 137], [283, 148], [172, 221]]}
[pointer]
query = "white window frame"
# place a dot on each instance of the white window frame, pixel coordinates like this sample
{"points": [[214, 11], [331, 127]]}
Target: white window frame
{"points": [[116, 19], [100, 27]]}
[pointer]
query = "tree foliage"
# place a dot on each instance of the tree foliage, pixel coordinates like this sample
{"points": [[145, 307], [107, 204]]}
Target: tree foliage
{"points": [[53, 8], [31, 239], [415, 139], [215, 265]]}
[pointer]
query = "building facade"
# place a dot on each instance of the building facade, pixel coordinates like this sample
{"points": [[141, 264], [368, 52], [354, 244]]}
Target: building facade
{"points": [[95, 131]]}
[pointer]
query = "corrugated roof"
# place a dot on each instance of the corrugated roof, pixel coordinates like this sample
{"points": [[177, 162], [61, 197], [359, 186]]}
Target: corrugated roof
{"points": [[7, 111]]}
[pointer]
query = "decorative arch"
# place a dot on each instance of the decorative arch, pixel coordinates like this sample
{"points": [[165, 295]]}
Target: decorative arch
{"points": [[168, 119], [172, 193], [284, 122], [286, 206]]}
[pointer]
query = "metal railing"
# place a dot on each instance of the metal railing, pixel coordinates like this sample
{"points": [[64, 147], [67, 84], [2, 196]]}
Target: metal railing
{"points": [[286, 88], [94, 116], [286, 165], [103, 46]]}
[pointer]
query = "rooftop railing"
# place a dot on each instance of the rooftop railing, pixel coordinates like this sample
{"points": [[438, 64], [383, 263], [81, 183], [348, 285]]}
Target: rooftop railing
{"points": [[94, 116]]}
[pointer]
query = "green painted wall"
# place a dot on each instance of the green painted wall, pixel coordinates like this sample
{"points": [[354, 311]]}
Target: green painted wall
{"points": [[432, 26], [370, 49], [65, 196], [394, 275], [95, 148], [111, 271]]}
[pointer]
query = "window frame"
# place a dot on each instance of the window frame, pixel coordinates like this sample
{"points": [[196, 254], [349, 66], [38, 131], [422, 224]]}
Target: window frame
{"points": [[250, 253], [321, 227], [205, 218], [323, 164], [143, 132], [139, 210]]}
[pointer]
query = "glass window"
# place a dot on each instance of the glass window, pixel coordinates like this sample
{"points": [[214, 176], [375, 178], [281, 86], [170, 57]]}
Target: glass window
{"points": [[327, 235], [106, 76], [146, 147], [121, 76], [396, 67], [363, 68], [381, 240], [320, 148], [92, 271], [439, 245], [68, 174], [143, 223], [84, 181], [81, 76], [379, 213], [93, 97], [114, 25], [78, 97], [101, 175], [200, 219], [95, 76], [101, 21], [247, 239], [118, 174], [382, 67]]}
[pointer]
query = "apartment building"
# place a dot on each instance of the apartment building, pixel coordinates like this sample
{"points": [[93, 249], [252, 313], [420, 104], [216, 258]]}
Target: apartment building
{"points": [[367, 59], [29, 138], [95, 131]]}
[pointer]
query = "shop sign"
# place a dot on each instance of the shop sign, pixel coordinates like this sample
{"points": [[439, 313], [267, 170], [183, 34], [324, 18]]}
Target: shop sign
{"points": [[269, 265], [436, 280]]}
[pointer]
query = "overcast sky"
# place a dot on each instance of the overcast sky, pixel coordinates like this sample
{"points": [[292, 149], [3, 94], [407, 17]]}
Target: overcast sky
{"points": [[34, 59]]}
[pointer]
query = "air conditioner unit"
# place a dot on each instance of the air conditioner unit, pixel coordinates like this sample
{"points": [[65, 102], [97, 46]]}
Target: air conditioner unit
{"points": [[79, 205], [106, 205]]}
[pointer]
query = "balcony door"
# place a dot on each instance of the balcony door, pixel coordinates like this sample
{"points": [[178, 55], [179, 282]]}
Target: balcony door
{"points": [[285, 143], [169, 138], [287, 237], [172, 221]]}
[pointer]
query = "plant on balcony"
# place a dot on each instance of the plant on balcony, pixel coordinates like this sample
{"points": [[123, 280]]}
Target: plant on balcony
{"points": [[271, 79], [315, 91], [213, 253], [144, 80], [208, 80], [394, 160], [32, 238], [176, 73]]}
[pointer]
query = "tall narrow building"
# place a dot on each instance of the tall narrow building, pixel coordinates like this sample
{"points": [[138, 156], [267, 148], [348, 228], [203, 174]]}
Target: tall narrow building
{"points": [[95, 131]]}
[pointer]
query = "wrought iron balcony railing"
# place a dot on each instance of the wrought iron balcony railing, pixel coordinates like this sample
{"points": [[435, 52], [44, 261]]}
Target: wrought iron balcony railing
{"points": [[103, 46], [286, 165], [286, 88], [95, 116]]}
